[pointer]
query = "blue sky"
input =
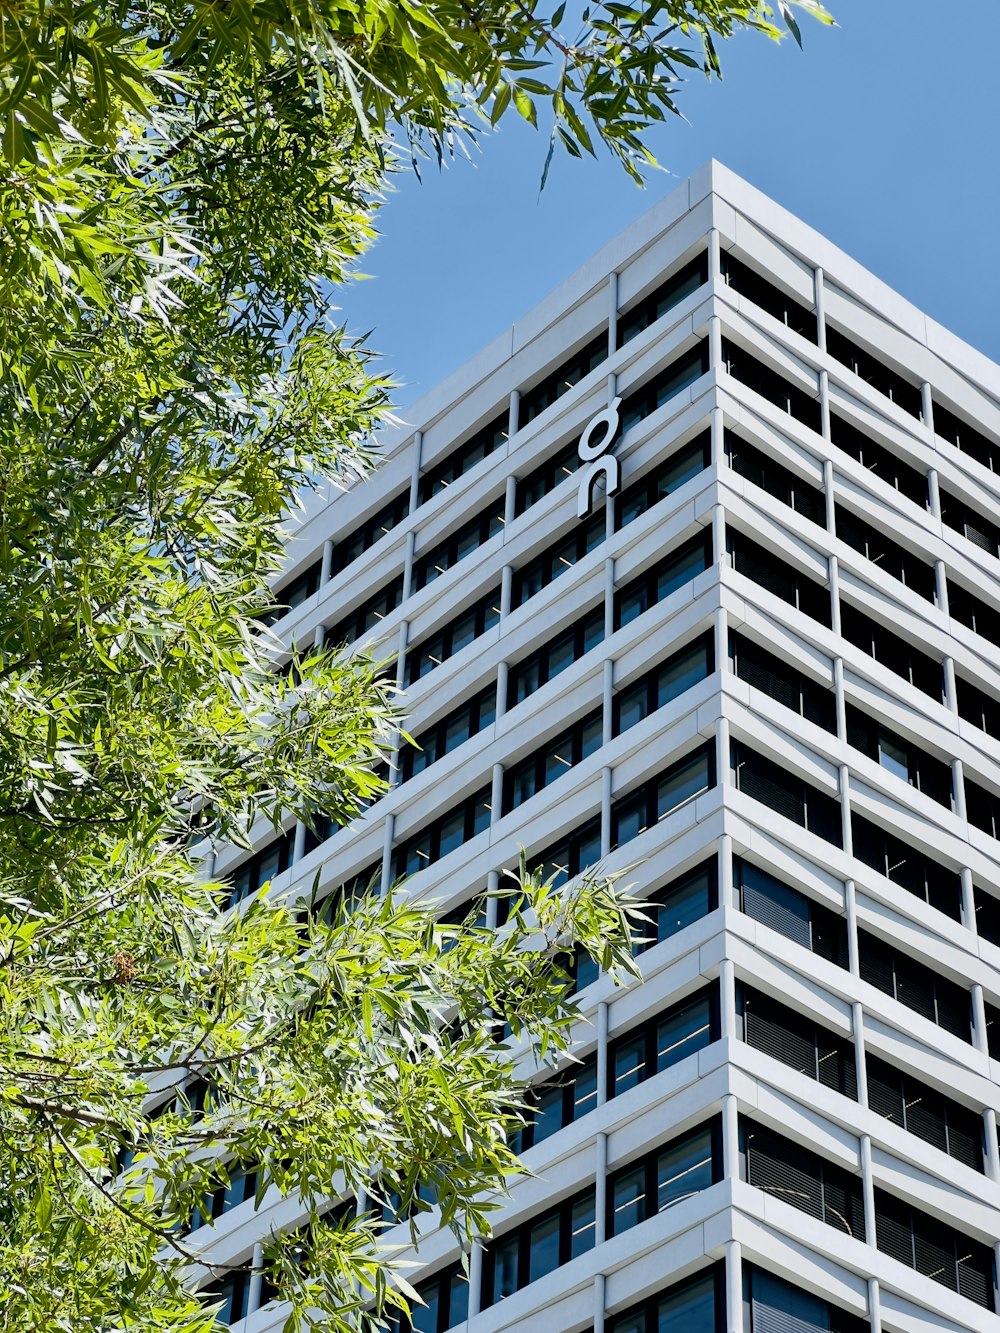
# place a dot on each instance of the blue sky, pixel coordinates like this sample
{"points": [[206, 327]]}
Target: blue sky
{"points": [[882, 133]]}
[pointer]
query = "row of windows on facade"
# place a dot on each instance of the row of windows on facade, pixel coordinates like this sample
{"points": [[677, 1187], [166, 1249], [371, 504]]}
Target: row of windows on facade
{"points": [[669, 1174], [763, 670], [687, 1027], [685, 667], [692, 1162], [752, 560], [485, 440], [955, 512], [631, 814], [697, 1304], [798, 1041]]}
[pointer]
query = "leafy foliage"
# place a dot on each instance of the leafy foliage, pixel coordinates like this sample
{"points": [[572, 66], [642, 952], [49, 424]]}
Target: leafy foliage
{"points": [[183, 187]]}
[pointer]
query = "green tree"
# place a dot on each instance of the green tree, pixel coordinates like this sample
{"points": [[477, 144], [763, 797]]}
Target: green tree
{"points": [[183, 188]]}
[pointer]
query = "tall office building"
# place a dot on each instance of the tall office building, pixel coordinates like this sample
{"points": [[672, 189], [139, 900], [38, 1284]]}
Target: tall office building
{"points": [[698, 567]]}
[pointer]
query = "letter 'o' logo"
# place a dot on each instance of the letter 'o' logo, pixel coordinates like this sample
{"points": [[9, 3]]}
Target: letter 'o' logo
{"points": [[605, 426]]}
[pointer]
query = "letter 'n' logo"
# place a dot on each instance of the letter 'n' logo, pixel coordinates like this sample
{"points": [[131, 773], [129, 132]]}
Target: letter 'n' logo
{"points": [[605, 425]]}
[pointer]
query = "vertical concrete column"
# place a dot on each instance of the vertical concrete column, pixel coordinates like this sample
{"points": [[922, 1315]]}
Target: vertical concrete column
{"points": [[496, 795], [727, 888], [715, 343], [503, 676], [819, 296], [514, 413], [845, 809], [718, 437], [506, 589], [833, 568], [492, 905], [850, 903], [326, 562], [609, 597], [950, 685], [979, 1035], [599, 1297], [727, 999], [510, 501], [606, 776], [934, 493], [968, 901], [860, 1069], [828, 495], [602, 1053], [824, 404], [841, 702], [958, 788], [612, 313], [720, 637], [299, 842], [941, 586], [475, 1279], [874, 1301], [714, 255], [734, 1287], [319, 636], [256, 1278], [992, 1148], [411, 544], [404, 634], [730, 1137], [722, 753], [417, 462], [600, 1188], [389, 834], [718, 533], [608, 699], [927, 407], [868, 1188]]}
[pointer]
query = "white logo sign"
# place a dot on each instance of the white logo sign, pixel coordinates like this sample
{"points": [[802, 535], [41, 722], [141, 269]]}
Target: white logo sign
{"points": [[605, 427]]}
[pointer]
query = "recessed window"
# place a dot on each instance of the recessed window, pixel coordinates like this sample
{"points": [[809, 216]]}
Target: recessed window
{"points": [[460, 458], [891, 651], [443, 835], [752, 373], [784, 581], [668, 575], [667, 476], [435, 648], [534, 401], [538, 572], [550, 761], [755, 466], [904, 865], [664, 385], [915, 984], [446, 735], [366, 616], [786, 794], [868, 367], [658, 797], [695, 1305], [352, 547], [663, 1042], [776, 677], [664, 1178], [688, 278], [457, 545], [747, 282]]}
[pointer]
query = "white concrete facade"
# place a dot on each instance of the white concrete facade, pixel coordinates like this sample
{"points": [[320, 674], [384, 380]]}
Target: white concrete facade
{"points": [[734, 1223]]}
